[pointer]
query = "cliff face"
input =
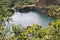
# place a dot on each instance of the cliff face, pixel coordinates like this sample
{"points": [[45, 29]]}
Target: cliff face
{"points": [[48, 2]]}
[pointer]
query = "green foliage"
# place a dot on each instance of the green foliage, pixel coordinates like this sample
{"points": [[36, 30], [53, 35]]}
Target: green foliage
{"points": [[50, 7], [35, 32], [55, 9], [21, 3], [1, 32]]}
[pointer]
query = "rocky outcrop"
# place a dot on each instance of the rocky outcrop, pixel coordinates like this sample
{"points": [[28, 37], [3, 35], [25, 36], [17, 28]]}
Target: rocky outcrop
{"points": [[38, 6], [47, 2]]}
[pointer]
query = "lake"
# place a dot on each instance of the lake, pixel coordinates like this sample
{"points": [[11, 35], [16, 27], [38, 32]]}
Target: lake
{"points": [[32, 17]]}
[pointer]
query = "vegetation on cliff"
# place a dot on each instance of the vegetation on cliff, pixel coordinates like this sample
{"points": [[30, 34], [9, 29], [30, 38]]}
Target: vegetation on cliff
{"points": [[34, 32], [53, 10]]}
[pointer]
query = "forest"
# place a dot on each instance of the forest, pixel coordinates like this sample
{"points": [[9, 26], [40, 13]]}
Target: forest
{"points": [[35, 31]]}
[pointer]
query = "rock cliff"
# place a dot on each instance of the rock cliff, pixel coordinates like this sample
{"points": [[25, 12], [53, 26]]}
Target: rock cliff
{"points": [[48, 2]]}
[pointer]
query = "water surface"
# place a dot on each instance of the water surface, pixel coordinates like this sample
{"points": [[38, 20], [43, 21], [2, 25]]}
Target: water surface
{"points": [[32, 17]]}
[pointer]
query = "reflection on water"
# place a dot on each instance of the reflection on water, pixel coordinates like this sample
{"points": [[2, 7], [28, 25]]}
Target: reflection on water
{"points": [[29, 18]]}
